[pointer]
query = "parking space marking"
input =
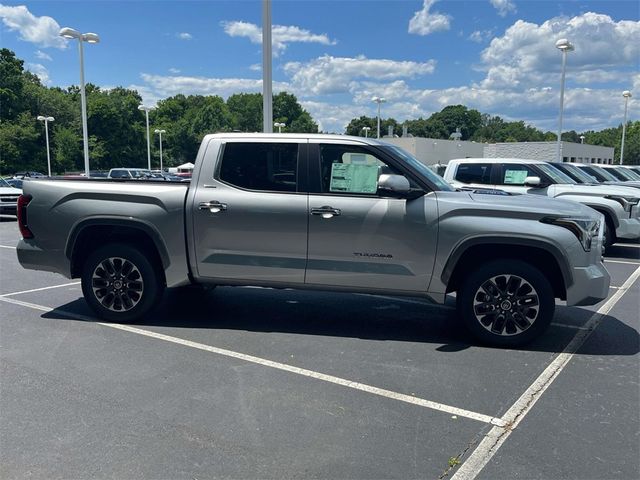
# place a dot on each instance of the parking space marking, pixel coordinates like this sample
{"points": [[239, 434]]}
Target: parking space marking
{"points": [[566, 325], [632, 245], [626, 262], [40, 289], [449, 409], [496, 437], [7, 246]]}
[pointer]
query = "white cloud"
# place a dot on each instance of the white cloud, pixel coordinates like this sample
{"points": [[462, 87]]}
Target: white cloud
{"points": [[42, 31], [480, 36], [281, 35], [184, 36], [327, 74], [425, 22], [174, 70], [504, 7], [526, 55], [40, 71], [43, 56]]}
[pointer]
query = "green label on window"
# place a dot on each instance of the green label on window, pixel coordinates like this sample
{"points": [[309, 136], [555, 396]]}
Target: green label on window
{"points": [[515, 176], [352, 178]]}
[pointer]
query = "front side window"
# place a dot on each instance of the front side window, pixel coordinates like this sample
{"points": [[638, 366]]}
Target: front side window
{"points": [[474, 173], [268, 167], [351, 170]]}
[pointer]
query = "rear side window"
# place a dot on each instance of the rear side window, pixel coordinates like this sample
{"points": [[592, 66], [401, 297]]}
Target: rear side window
{"points": [[119, 174], [474, 173], [268, 167]]}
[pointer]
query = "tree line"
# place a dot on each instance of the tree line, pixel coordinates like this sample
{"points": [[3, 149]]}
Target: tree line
{"points": [[117, 131]]}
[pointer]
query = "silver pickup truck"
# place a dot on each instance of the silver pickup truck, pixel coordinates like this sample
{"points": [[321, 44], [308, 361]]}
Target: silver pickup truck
{"points": [[322, 212]]}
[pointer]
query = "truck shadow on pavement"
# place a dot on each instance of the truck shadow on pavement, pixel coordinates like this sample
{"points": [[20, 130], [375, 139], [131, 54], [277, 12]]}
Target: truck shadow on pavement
{"points": [[365, 317]]}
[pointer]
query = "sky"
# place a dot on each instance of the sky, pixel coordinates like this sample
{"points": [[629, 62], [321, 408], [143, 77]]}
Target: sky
{"points": [[497, 56]]}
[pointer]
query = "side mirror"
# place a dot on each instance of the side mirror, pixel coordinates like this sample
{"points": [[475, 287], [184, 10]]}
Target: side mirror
{"points": [[532, 182], [397, 185]]}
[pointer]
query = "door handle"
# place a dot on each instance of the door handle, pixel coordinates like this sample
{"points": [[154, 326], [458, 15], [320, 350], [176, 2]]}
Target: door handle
{"points": [[326, 212], [213, 206]]}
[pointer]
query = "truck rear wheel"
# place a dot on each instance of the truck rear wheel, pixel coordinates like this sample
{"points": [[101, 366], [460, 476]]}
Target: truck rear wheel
{"points": [[506, 303], [120, 284]]}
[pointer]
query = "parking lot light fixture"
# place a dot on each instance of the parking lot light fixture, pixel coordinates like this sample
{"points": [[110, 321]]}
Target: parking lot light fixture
{"points": [[46, 121], [72, 34], [627, 95], [378, 100], [582, 137], [160, 132], [146, 110], [279, 126], [565, 46], [366, 131]]}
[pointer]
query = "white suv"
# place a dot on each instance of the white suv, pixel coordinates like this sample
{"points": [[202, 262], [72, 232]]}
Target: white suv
{"points": [[618, 204]]}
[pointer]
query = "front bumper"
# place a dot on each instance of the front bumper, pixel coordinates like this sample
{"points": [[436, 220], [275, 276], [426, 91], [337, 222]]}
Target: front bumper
{"points": [[8, 208], [629, 228], [590, 285]]}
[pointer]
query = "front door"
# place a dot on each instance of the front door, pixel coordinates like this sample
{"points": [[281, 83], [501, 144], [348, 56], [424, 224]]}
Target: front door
{"points": [[359, 238], [250, 214]]}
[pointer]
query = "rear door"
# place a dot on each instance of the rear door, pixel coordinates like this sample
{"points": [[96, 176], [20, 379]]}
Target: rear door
{"points": [[250, 213], [358, 237]]}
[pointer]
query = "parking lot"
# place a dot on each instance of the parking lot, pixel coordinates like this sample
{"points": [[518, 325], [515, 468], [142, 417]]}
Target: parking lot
{"points": [[262, 383]]}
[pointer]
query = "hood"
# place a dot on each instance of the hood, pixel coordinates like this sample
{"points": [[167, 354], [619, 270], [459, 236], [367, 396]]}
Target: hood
{"points": [[518, 206], [10, 191], [597, 190]]}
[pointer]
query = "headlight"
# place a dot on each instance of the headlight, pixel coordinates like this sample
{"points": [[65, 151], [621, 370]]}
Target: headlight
{"points": [[627, 202], [585, 229]]}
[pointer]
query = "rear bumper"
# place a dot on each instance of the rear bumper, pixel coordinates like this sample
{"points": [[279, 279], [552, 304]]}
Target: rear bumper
{"points": [[32, 257], [629, 228], [590, 285]]}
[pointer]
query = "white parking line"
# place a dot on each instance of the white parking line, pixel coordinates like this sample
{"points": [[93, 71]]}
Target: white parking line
{"points": [[449, 409], [622, 261], [7, 246], [492, 442], [566, 325], [632, 245], [40, 289]]}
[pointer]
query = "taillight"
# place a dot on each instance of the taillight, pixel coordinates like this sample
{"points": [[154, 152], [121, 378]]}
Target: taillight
{"points": [[23, 201]]}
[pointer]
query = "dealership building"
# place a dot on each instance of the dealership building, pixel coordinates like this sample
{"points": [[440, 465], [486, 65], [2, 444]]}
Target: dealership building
{"points": [[433, 151]]}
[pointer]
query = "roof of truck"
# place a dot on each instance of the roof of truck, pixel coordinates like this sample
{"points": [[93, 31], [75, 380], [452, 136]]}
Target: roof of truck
{"points": [[310, 136]]}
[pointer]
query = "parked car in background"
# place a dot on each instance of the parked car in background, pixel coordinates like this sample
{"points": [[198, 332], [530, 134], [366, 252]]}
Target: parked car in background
{"points": [[618, 204], [635, 168], [129, 173], [28, 175], [603, 175], [621, 173], [8, 197], [14, 182]]}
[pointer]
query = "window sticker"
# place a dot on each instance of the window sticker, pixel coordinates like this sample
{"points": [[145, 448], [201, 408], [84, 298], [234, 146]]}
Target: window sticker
{"points": [[352, 178], [515, 176]]}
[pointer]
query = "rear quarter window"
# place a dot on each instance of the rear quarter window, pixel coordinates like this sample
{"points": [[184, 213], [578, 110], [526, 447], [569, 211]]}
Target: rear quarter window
{"points": [[474, 173]]}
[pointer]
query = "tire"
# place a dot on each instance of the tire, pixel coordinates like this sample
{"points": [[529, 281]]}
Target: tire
{"points": [[609, 234], [506, 303], [120, 284]]}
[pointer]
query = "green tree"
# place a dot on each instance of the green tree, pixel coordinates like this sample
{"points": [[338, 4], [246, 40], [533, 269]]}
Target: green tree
{"points": [[246, 112], [66, 150]]}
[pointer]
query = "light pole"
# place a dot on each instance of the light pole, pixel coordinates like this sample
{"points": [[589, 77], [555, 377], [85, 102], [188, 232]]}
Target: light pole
{"points": [[366, 131], [378, 100], [146, 111], [627, 95], [565, 46], [279, 126], [582, 137], [46, 121], [160, 132], [70, 33], [267, 67]]}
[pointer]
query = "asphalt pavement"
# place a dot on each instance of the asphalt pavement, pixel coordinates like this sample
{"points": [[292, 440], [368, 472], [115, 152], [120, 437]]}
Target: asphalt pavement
{"points": [[261, 383]]}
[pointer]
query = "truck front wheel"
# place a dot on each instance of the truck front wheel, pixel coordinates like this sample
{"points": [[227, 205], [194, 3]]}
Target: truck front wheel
{"points": [[119, 283], [506, 302]]}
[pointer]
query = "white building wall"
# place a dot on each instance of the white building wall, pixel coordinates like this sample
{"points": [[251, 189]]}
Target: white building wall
{"points": [[432, 151], [547, 151]]}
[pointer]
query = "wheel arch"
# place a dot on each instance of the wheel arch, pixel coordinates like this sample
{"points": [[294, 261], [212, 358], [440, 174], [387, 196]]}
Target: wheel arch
{"points": [[474, 252], [92, 233]]}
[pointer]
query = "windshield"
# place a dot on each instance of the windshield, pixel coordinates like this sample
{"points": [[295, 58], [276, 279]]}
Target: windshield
{"points": [[626, 174], [579, 174], [556, 175], [601, 174], [420, 167]]}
